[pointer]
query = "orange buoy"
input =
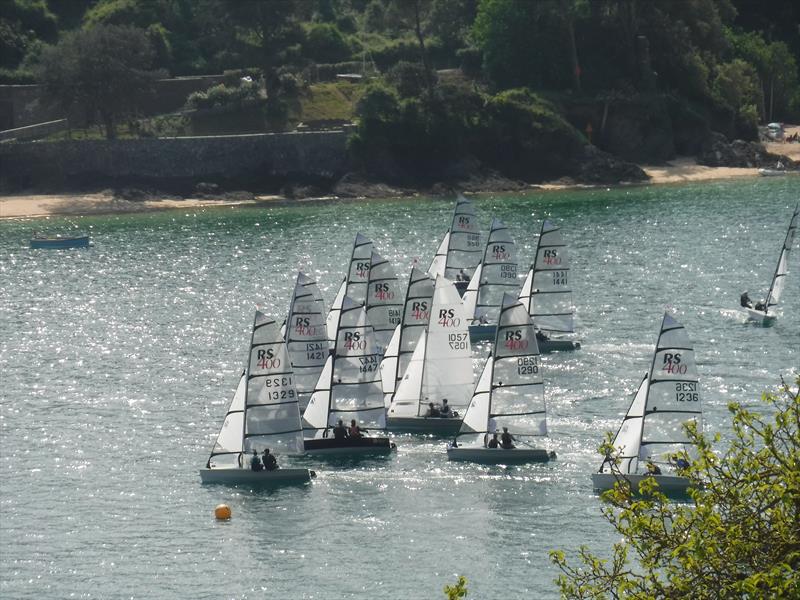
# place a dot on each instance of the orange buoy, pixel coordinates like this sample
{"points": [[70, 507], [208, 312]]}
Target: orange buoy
{"points": [[222, 512]]}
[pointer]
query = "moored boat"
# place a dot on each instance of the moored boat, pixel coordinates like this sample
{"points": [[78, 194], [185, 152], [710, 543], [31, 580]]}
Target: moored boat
{"points": [[60, 242]]}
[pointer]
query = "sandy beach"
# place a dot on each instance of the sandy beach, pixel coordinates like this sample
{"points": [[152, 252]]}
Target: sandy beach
{"points": [[679, 170]]}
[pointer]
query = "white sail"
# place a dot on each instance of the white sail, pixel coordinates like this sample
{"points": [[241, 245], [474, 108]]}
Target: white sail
{"points": [[510, 392], [549, 298], [464, 244], [264, 412], [227, 450], [779, 279], [470, 298], [306, 336], [332, 320], [358, 270], [673, 395], [384, 300], [272, 413], [442, 365], [350, 385], [416, 313], [629, 435], [389, 366], [499, 272], [439, 262]]}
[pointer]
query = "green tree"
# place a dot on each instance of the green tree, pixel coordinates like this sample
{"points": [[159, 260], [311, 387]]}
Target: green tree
{"points": [[738, 538], [22, 23], [105, 72], [457, 590]]}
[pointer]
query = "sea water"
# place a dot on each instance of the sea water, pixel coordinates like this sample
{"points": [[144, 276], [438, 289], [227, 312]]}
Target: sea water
{"points": [[118, 363]]}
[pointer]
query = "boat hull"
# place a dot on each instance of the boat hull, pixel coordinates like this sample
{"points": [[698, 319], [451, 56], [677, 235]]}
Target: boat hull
{"points": [[432, 425], [61, 243], [486, 333], [498, 456], [349, 447], [255, 478], [669, 484], [758, 316]]}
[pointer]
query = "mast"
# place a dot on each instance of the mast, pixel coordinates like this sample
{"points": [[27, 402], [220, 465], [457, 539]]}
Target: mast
{"points": [[549, 296], [779, 278], [673, 396]]}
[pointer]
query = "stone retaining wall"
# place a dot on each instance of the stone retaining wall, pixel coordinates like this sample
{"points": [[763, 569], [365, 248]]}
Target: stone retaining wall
{"points": [[243, 159]]}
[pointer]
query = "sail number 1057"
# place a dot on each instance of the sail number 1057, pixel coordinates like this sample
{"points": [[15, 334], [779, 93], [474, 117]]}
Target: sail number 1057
{"points": [[686, 391]]}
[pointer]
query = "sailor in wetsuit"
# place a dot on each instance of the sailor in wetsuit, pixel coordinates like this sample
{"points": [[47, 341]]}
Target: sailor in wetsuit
{"points": [[745, 301], [340, 431]]}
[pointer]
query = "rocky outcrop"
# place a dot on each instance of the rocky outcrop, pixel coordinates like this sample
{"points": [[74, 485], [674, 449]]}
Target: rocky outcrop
{"points": [[596, 167], [719, 152]]}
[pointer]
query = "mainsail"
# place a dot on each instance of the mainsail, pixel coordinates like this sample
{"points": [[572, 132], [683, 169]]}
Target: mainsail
{"points": [[384, 300], [673, 395], [494, 276], [546, 292], [416, 312], [463, 244], [510, 391], [779, 279], [349, 386], [306, 337], [265, 414], [441, 365], [354, 284]]}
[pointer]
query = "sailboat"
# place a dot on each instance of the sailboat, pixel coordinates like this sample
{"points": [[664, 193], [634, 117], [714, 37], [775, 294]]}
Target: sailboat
{"points": [[306, 336], [354, 285], [509, 395], [546, 292], [495, 275], [416, 312], [349, 388], [652, 430], [384, 300], [263, 414], [440, 369], [761, 313], [460, 249]]}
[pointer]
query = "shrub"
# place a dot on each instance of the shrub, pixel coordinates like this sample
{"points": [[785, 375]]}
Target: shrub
{"points": [[223, 95], [324, 42]]}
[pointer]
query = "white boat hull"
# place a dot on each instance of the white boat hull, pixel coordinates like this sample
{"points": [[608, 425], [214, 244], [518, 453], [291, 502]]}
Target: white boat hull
{"points": [[367, 446], [498, 456], [669, 484], [253, 478], [758, 316], [445, 426]]}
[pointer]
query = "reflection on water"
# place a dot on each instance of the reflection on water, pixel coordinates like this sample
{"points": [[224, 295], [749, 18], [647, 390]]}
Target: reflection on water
{"points": [[118, 364]]}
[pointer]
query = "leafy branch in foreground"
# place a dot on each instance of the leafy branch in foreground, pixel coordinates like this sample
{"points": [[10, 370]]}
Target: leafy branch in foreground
{"points": [[457, 590], [739, 537]]}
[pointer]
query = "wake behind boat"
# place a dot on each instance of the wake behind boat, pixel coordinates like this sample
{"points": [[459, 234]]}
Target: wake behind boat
{"points": [[763, 312], [509, 394], [652, 431], [263, 414]]}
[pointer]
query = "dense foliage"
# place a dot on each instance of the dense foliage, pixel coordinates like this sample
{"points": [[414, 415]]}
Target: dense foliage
{"points": [[651, 79], [737, 538]]}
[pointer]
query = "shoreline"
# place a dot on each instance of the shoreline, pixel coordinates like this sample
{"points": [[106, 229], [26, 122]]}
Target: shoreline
{"points": [[30, 206]]}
